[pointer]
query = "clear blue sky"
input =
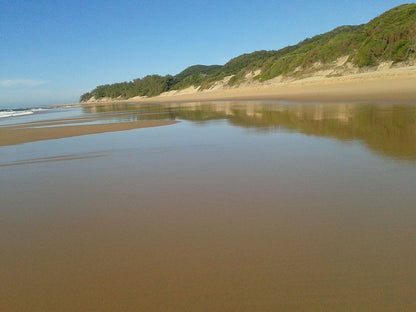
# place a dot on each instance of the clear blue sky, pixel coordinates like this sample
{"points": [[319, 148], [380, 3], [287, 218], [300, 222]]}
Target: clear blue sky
{"points": [[53, 51]]}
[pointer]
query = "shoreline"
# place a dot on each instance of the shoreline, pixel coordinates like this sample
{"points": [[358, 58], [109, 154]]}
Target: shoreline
{"points": [[392, 85]]}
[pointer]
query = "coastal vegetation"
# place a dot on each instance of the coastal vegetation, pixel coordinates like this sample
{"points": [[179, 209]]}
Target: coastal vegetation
{"points": [[390, 37]]}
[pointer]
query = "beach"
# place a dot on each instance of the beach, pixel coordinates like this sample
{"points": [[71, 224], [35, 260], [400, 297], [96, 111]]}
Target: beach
{"points": [[384, 85], [169, 156], [287, 196], [393, 86], [209, 206]]}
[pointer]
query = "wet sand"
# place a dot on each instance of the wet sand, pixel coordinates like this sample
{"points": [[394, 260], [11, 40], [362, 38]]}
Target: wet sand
{"points": [[246, 207], [25, 133]]}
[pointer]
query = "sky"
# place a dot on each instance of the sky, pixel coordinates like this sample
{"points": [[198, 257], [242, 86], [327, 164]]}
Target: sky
{"points": [[52, 51]]}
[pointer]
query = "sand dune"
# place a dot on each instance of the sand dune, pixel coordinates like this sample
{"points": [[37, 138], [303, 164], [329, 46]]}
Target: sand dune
{"points": [[382, 85], [385, 85]]}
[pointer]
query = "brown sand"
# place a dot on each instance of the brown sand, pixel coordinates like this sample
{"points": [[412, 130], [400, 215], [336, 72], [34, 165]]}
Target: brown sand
{"points": [[237, 222], [391, 90], [18, 134]]}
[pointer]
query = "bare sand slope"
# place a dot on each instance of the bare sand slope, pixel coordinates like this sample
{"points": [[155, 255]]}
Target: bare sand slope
{"points": [[401, 88], [385, 85]]}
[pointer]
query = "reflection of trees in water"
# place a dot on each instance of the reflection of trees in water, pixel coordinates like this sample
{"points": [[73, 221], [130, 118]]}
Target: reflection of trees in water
{"points": [[388, 129], [128, 112]]}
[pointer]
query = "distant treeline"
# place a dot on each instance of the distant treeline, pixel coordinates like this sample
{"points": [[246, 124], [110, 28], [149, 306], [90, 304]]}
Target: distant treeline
{"points": [[389, 37], [153, 84]]}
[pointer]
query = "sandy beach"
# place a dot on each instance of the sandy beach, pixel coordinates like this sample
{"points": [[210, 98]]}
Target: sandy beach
{"points": [[397, 85], [384, 85], [173, 156], [239, 206]]}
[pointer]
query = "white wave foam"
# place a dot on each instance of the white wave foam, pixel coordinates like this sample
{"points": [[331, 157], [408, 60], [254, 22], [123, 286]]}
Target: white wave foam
{"points": [[4, 114]]}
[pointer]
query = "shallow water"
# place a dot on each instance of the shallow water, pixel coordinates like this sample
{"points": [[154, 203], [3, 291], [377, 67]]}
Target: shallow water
{"points": [[240, 206]]}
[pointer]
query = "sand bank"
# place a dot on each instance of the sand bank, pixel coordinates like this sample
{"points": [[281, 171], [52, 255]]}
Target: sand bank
{"points": [[25, 133]]}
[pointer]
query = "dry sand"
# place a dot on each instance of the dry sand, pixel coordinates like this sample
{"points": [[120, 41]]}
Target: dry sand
{"points": [[382, 85]]}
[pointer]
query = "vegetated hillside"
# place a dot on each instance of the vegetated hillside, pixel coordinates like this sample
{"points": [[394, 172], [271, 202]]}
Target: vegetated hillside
{"points": [[389, 37]]}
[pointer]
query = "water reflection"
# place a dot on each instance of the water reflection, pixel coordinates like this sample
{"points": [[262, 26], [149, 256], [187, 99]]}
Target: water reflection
{"points": [[208, 218], [386, 129]]}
